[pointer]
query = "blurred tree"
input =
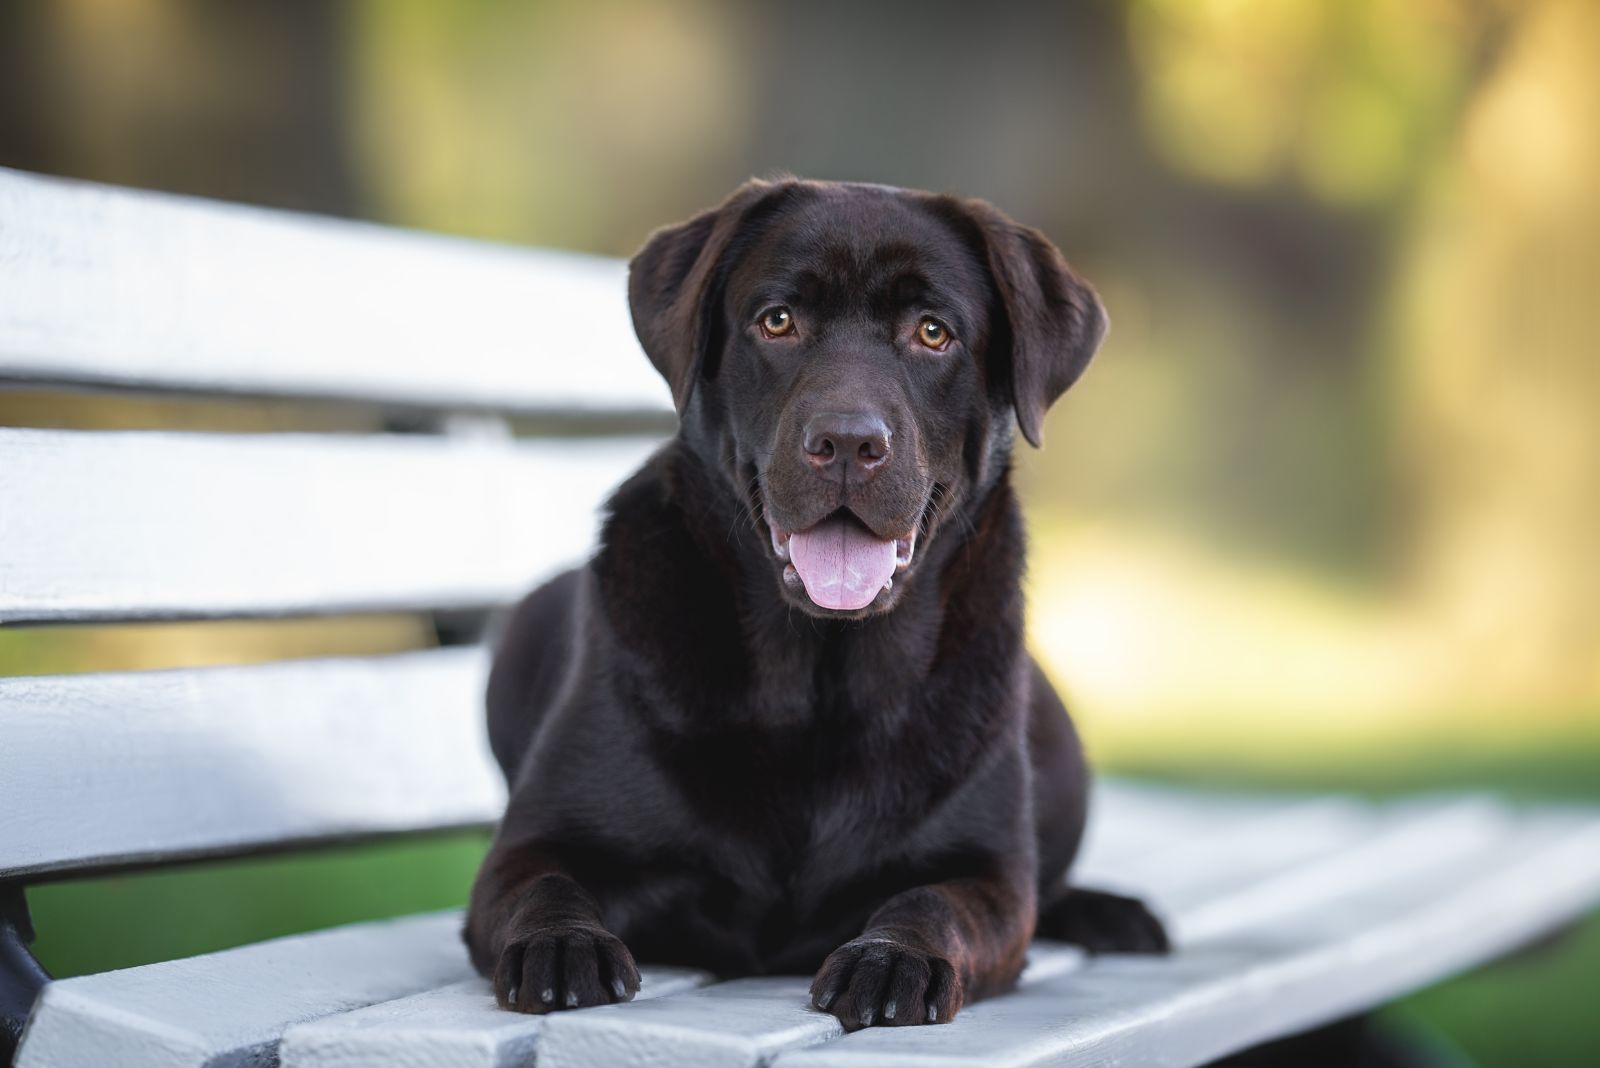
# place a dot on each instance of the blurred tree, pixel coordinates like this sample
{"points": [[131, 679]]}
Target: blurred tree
{"points": [[574, 125], [1451, 344], [1497, 372], [242, 101]]}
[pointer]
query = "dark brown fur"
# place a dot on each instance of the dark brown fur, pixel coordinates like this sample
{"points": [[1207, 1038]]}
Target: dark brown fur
{"points": [[707, 768]]}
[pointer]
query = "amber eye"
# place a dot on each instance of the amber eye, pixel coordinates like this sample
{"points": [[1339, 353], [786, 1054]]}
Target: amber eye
{"points": [[934, 334], [776, 322]]}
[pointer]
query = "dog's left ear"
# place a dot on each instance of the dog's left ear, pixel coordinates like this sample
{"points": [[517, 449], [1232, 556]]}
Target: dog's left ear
{"points": [[672, 283], [1054, 320]]}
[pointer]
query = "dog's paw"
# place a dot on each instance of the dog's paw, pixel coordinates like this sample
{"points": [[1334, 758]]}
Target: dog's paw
{"points": [[1103, 923], [568, 967], [877, 981]]}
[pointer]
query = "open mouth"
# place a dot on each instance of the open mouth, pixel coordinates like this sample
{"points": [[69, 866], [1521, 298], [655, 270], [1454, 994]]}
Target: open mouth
{"points": [[842, 564]]}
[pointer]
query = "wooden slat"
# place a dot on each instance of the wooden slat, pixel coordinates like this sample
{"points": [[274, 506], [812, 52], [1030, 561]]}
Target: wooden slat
{"points": [[106, 770], [146, 524], [451, 1027], [1407, 840], [1134, 826], [229, 1009], [100, 285], [739, 1024]]}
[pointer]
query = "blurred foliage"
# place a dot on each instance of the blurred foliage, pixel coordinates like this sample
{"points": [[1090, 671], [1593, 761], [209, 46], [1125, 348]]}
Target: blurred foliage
{"points": [[1461, 137], [1349, 100], [1325, 511], [527, 121]]}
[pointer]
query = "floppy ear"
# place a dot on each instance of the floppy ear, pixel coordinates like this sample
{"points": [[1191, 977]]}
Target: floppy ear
{"points": [[1054, 319], [671, 283]]}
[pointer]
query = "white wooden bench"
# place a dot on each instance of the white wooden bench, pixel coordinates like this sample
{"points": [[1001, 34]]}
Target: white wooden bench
{"points": [[1288, 913]]}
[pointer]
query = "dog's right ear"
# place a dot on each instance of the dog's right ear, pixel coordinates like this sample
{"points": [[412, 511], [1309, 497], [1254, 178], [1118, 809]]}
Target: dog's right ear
{"points": [[674, 279]]}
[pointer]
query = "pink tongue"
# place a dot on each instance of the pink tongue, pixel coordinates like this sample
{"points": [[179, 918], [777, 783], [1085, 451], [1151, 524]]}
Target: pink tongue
{"points": [[842, 565]]}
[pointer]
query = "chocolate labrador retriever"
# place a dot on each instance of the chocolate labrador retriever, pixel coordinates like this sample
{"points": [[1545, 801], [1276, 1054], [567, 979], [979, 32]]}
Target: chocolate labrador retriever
{"points": [[784, 720]]}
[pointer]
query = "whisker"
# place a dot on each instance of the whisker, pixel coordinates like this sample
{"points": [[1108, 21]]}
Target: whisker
{"points": [[746, 511]]}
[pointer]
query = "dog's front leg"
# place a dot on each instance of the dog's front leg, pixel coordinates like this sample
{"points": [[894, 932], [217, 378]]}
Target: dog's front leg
{"points": [[536, 932], [926, 952]]}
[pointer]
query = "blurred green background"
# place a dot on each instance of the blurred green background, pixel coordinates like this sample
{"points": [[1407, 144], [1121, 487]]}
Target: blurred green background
{"points": [[1324, 514]]}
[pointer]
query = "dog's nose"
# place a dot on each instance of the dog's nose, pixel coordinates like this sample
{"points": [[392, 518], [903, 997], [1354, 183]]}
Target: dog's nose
{"points": [[859, 439]]}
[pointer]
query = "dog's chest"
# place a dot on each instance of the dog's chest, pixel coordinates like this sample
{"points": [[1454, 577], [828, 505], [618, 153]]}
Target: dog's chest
{"points": [[795, 812], [792, 829]]}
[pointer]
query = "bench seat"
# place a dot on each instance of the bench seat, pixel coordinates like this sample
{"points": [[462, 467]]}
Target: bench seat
{"points": [[1288, 912], [453, 1026]]}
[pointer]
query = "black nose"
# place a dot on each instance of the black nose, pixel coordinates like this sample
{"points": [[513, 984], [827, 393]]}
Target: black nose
{"points": [[859, 439]]}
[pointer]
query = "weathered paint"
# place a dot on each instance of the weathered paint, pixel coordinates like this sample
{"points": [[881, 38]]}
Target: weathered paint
{"points": [[133, 288], [456, 1026], [103, 769], [143, 523], [229, 1009]]}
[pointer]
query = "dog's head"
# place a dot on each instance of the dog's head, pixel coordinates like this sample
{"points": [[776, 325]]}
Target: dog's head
{"points": [[850, 357]]}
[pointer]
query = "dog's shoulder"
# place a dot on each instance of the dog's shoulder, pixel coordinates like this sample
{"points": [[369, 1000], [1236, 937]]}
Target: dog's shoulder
{"points": [[667, 596]]}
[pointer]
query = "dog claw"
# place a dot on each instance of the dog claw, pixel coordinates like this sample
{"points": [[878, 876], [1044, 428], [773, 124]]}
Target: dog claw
{"points": [[561, 966], [886, 983]]}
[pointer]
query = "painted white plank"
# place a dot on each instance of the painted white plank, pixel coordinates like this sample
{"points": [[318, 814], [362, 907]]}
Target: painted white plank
{"points": [[1277, 977], [1129, 821], [1139, 833], [1285, 838], [1405, 840], [456, 1026], [99, 769], [229, 1009], [138, 524], [738, 1024], [1293, 853], [125, 287]]}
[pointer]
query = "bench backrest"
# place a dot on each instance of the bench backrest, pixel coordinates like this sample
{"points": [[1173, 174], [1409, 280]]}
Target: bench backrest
{"points": [[458, 343]]}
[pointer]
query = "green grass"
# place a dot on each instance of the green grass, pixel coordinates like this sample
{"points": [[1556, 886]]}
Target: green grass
{"points": [[96, 924], [1535, 1008], [1561, 768]]}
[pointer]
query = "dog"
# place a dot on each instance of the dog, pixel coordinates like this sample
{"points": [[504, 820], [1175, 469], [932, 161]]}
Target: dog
{"points": [[784, 720]]}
